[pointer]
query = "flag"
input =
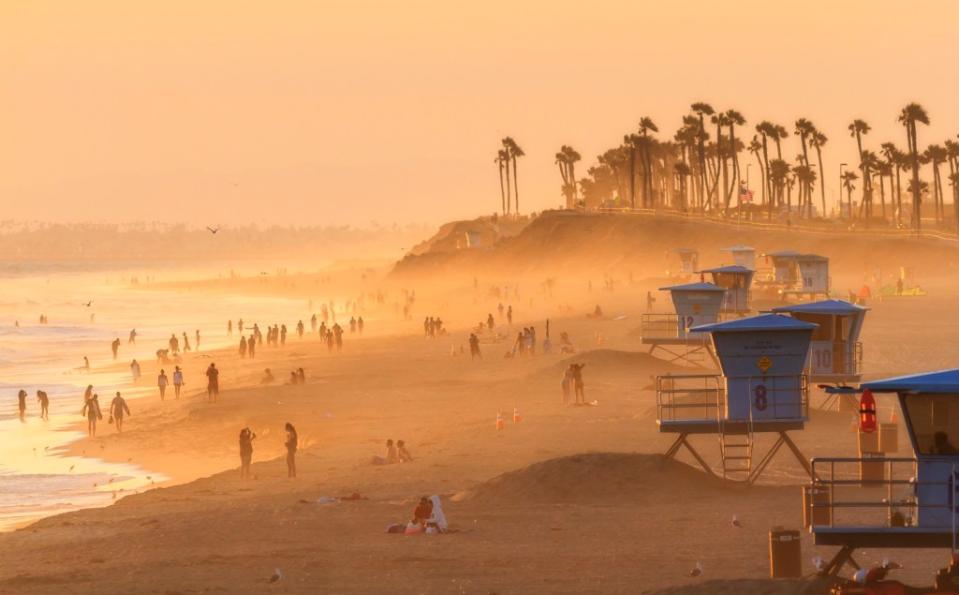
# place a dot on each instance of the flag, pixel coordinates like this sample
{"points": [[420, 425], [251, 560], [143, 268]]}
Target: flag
{"points": [[745, 194]]}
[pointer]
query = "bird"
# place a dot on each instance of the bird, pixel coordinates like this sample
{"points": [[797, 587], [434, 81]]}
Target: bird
{"points": [[88, 304], [212, 230], [735, 522], [818, 563], [697, 570], [71, 467], [110, 480], [277, 575]]}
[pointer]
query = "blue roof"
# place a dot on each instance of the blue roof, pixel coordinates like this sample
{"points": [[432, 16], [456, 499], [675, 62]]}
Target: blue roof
{"points": [[693, 287], [943, 381], [763, 322], [733, 268], [823, 307]]}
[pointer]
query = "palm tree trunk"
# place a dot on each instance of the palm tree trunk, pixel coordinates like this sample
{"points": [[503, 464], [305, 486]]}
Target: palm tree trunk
{"points": [[632, 176], [502, 191], [916, 194], [822, 179], [516, 185], [509, 195], [882, 193]]}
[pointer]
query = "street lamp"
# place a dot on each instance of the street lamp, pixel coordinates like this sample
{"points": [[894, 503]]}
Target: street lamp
{"points": [[842, 165]]}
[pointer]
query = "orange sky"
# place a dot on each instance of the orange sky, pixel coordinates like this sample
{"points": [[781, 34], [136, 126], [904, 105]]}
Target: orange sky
{"points": [[352, 111]]}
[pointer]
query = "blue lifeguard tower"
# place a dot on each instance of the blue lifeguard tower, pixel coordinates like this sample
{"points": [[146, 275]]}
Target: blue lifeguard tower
{"points": [[688, 262], [811, 277], [744, 256], [736, 280], [913, 502], [762, 389], [694, 304], [835, 354], [784, 267]]}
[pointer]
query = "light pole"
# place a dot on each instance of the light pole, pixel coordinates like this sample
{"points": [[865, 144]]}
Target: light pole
{"points": [[842, 165]]}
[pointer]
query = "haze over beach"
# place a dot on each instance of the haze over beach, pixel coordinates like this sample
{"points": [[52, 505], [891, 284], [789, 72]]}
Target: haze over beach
{"points": [[424, 297]]}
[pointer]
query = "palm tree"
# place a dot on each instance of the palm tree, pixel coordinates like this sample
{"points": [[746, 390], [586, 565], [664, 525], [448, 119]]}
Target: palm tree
{"points": [[682, 171], [908, 117], [884, 169], [767, 130], [805, 129], [502, 160], [702, 110], [733, 119], [894, 158], [756, 148], [630, 141], [937, 155], [572, 156], [848, 177], [817, 140], [514, 151], [870, 163], [856, 130], [646, 125], [952, 150]]}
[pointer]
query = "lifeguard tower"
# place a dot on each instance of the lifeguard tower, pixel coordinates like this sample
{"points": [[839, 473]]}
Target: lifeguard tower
{"points": [[784, 267], [811, 278], [835, 355], [694, 304], [762, 389], [688, 262], [736, 280], [744, 256], [911, 502]]}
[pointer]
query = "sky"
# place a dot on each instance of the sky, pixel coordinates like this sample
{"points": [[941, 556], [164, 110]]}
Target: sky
{"points": [[353, 111]]}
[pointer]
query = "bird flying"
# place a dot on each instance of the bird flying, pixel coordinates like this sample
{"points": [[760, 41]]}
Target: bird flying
{"points": [[212, 230]]}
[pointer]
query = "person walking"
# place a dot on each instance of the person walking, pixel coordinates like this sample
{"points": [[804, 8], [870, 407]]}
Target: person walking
{"points": [[213, 383], [162, 382], [22, 404], [291, 445], [177, 381], [246, 452], [91, 409], [135, 371], [44, 401], [118, 407]]}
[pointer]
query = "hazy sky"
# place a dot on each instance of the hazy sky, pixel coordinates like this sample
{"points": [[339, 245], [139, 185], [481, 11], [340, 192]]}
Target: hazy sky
{"points": [[348, 111]]}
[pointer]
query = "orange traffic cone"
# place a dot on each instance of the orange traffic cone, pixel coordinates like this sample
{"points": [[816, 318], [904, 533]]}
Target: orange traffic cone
{"points": [[500, 422], [516, 416]]}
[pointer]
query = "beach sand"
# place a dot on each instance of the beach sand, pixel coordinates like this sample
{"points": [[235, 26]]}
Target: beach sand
{"points": [[558, 524]]}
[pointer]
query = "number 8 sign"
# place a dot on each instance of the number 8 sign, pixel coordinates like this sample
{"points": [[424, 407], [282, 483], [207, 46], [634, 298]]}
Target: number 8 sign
{"points": [[761, 401]]}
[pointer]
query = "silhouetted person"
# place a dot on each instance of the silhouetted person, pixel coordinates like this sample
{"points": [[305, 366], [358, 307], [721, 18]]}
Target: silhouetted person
{"points": [[251, 345], [118, 407], [229, 327], [44, 401], [186, 343], [22, 404], [174, 344], [197, 339], [135, 370], [246, 452], [490, 323], [267, 377], [86, 363], [91, 409], [509, 315], [177, 381], [475, 347], [115, 347], [578, 385], [301, 375], [402, 453], [213, 383], [941, 444], [243, 347], [291, 445], [133, 337], [162, 382], [359, 324]]}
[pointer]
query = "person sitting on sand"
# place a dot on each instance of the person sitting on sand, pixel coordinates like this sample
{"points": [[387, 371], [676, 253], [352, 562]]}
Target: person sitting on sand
{"points": [[391, 456], [22, 404], [423, 512], [267, 377], [402, 453], [437, 521], [246, 452], [44, 401], [91, 409], [293, 378], [162, 382], [117, 408]]}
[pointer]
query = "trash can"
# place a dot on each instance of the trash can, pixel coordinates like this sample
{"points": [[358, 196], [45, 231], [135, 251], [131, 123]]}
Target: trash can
{"points": [[785, 553], [819, 515], [888, 437]]}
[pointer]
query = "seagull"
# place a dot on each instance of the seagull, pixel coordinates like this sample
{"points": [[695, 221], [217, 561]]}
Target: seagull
{"points": [[697, 570], [735, 522], [88, 304], [212, 230], [818, 563], [71, 467], [277, 575]]}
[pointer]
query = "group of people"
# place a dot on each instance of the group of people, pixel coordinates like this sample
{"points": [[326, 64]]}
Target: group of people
{"points": [[297, 376], [573, 383], [163, 381], [291, 443], [175, 346], [356, 324], [333, 336], [42, 399], [395, 453], [433, 327], [91, 410]]}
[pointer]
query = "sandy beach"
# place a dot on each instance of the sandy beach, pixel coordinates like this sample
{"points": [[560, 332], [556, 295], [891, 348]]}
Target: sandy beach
{"points": [[586, 504]]}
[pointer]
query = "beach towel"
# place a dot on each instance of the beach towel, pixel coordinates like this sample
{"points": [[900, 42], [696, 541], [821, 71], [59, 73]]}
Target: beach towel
{"points": [[438, 518]]}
